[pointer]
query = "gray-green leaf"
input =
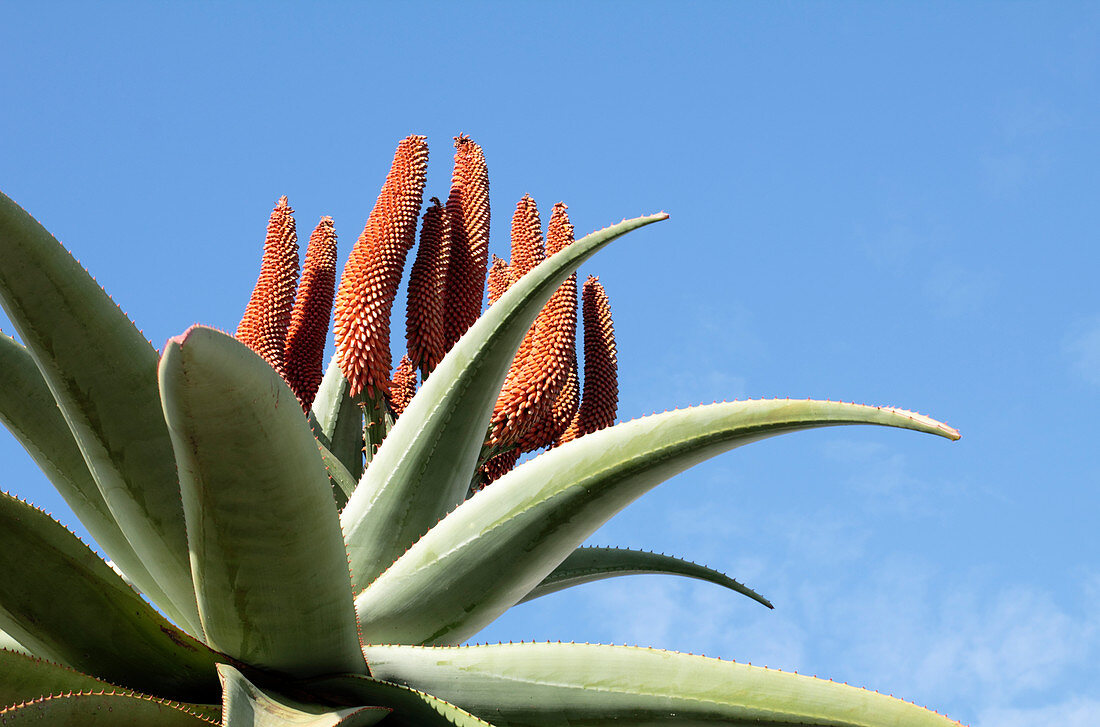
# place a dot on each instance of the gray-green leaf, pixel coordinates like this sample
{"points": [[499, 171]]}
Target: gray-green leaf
{"points": [[496, 547], [586, 565], [575, 685], [424, 467], [266, 547]]}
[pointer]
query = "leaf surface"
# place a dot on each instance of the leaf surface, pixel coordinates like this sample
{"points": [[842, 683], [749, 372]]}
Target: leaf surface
{"points": [[586, 565], [411, 707], [108, 710], [246, 705], [266, 548], [28, 410], [24, 678], [65, 604], [424, 467], [339, 420], [102, 373], [575, 685], [496, 547]]}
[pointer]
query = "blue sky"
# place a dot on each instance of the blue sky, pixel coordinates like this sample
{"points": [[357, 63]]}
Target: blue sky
{"points": [[886, 203]]}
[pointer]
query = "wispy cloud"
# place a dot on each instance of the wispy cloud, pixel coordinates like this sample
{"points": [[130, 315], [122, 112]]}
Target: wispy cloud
{"points": [[1075, 712], [958, 291], [1083, 349]]}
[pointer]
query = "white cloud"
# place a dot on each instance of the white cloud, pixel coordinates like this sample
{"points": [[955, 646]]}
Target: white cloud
{"points": [[1075, 712], [956, 291], [1083, 349]]}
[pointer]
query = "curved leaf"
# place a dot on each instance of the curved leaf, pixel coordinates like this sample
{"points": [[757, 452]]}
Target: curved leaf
{"points": [[411, 707], [8, 643], [343, 484], [424, 467], [24, 678], [65, 604], [339, 420], [496, 547], [246, 705], [28, 410], [585, 565], [267, 552], [575, 685], [102, 373], [108, 710]]}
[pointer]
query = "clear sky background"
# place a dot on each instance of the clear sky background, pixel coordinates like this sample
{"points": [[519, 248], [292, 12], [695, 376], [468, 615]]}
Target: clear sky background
{"points": [[888, 203]]}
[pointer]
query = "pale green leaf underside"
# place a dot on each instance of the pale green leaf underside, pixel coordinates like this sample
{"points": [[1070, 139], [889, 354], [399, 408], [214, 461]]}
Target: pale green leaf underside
{"points": [[586, 565], [339, 419], [102, 373], [266, 547], [246, 705], [424, 467], [106, 710], [28, 410], [496, 547], [411, 707], [65, 604], [575, 685]]}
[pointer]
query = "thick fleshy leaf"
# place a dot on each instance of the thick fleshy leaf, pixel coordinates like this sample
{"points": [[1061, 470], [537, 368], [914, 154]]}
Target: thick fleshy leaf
{"points": [[9, 643], [24, 678], [424, 467], [343, 484], [65, 604], [28, 410], [585, 565], [102, 373], [339, 420], [108, 710], [268, 556], [246, 705], [575, 685], [411, 707], [498, 545]]}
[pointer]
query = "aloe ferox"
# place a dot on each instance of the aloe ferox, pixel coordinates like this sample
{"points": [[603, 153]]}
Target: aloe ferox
{"points": [[317, 549]]}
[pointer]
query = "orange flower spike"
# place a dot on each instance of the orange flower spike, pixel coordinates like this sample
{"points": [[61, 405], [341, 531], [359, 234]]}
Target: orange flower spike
{"points": [[427, 288], [600, 401], [468, 212], [263, 327], [500, 278], [555, 342], [403, 386], [371, 276], [499, 466], [309, 322], [540, 371], [528, 249]]}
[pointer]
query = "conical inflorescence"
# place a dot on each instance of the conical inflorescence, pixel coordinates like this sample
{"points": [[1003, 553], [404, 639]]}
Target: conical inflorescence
{"points": [[368, 286], [263, 328], [309, 322], [540, 403]]}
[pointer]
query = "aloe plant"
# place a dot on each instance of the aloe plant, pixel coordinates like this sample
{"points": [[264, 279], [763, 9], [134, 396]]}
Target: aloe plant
{"points": [[325, 569]]}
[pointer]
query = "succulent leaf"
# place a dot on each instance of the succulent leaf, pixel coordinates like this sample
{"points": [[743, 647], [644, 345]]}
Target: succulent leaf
{"points": [[266, 548], [339, 419], [538, 685], [496, 547], [424, 468], [28, 410], [101, 371], [65, 604], [411, 707], [103, 709], [246, 705], [24, 678], [586, 565], [343, 484]]}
